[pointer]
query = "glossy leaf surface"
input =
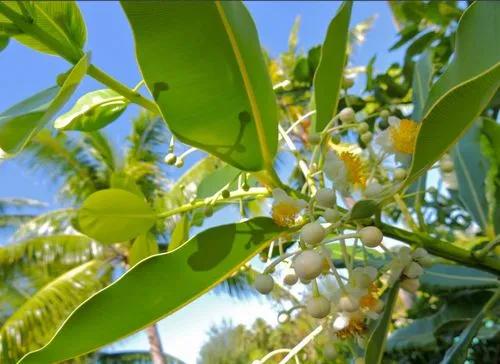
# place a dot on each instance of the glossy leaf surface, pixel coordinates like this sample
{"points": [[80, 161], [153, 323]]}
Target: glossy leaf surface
{"points": [[115, 215], [231, 112], [93, 111], [137, 299], [464, 89], [455, 278], [144, 246], [330, 71]]}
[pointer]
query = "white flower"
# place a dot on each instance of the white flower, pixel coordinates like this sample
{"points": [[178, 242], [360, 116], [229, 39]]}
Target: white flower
{"points": [[345, 170], [285, 208], [399, 138]]}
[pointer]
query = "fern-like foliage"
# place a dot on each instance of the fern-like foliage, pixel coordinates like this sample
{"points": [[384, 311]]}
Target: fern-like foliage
{"points": [[50, 223], [15, 211], [37, 319]]}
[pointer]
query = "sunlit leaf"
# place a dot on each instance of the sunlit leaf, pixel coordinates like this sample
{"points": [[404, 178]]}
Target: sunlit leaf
{"points": [[232, 111], [144, 246], [185, 273]]}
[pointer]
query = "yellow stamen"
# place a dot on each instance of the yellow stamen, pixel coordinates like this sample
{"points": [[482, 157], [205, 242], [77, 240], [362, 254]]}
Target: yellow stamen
{"points": [[284, 214], [355, 169], [355, 327], [404, 136], [368, 301]]}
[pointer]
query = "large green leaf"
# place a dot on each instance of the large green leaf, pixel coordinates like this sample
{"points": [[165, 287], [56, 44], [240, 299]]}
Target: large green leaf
{"points": [[115, 215], [471, 168], [22, 121], [61, 20], [421, 334], [93, 111], [464, 89], [156, 287], [455, 278], [457, 354], [376, 342], [203, 64], [330, 72], [216, 181]]}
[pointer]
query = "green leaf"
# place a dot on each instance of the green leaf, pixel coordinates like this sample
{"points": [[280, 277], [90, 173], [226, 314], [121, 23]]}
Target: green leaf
{"points": [[471, 169], [376, 342], [115, 215], [122, 181], [216, 180], [464, 89], [364, 209], [422, 333], [490, 146], [180, 234], [144, 246], [156, 287], [24, 120], [442, 278], [4, 42], [457, 354], [231, 112], [93, 111], [330, 71], [422, 77], [61, 20]]}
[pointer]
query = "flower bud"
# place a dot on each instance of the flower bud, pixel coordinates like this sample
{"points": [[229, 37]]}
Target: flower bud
{"points": [[410, 285], [348, 304], [312, 233], [264, 283], [331, 215], [383, 125], [347, 115], [373, 190], [245, 186], [318, 307], [347, 82], [399, 174], [366, 137], [308, 265], [170, 159], [209, 211], [371, 236], [413, 270], [384, 114], [363, 128], [446, 166], [179, 163], [225, 193], [290, 277], [336, 139], [325, 197]]}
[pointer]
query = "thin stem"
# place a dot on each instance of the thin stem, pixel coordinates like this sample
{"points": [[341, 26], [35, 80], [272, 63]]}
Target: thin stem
{"points": [[299, 120], [328, 257]]}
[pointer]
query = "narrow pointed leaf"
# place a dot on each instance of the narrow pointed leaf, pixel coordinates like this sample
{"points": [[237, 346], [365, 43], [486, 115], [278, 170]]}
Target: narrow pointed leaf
{"points": [[464, 89], [156, 287], [330, 71], [376, 342], [62, 20], [93, 111], [446, 278], [457, 354], [203, 64], [22, 121], [471, 168], [115, 215], [490, 146]]}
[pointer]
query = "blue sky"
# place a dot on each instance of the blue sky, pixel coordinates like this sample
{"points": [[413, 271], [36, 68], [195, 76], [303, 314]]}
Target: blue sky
{"points": [[25, 72]]}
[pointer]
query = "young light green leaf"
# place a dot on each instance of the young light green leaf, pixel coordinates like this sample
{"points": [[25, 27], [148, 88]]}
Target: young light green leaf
{"points": [[457, 354], [216, 181], [471, 169], [115, 215], [144, 246], [180, 234], [464, 89], [93, 111], [330, 72], [490, 147], [61, 20], [376, 342], [123, 181], [232, 111], [364, 209], [156, 287], [22, 121]]}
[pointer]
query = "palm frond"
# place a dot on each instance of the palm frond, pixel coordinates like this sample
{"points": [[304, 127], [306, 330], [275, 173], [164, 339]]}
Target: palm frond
{"points": [[99, 146], [50, 223], [33, 323], [14, 220], [132, 357], [52, 254], [69, 162], [7, 203]]}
